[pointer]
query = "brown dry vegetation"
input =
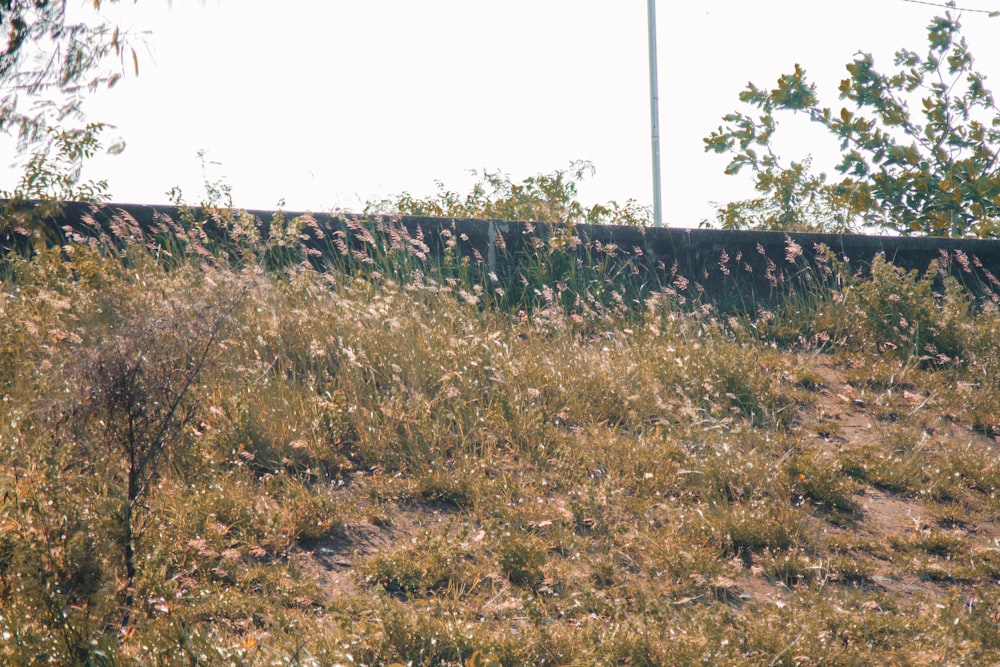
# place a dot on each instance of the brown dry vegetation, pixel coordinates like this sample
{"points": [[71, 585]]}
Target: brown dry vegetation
{"points": [[368, 470]]}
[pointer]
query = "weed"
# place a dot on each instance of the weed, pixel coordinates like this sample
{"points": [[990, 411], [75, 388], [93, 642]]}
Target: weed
{"points": [[819, 481]]}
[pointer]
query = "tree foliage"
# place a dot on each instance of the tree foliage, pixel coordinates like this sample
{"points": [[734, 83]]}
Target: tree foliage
{"points": [[51, 60], [54, 56], [919, 147], [550, 198]]}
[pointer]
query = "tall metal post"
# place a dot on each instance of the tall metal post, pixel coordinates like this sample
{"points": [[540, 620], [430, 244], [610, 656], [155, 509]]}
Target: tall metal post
{"points": [[654, 115]]}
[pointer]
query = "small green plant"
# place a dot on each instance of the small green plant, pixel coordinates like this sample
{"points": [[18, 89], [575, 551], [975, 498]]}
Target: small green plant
{"points": [[851, 570], [820, 482], [747, 529], [521, 560], [901, 311], [548, 198]]}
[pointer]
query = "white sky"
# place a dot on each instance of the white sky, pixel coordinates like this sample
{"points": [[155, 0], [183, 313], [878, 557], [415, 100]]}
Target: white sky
{"points": [[329, 103]]}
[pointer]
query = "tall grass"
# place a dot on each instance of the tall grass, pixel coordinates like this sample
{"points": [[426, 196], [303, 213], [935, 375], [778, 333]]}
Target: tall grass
{"points": [[386, 458]]}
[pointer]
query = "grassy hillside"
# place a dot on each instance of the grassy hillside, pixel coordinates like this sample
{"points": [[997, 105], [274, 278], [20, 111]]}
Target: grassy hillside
{"points": [[206, 463]]}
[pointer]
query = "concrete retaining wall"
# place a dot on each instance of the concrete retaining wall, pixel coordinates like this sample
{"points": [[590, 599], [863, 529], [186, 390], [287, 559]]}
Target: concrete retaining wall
{"points": [[725, 264]]}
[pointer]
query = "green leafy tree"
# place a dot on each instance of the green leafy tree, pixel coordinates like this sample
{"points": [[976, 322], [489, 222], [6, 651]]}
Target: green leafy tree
{"points": [[550, 198], [919, 147], [52, 59]]}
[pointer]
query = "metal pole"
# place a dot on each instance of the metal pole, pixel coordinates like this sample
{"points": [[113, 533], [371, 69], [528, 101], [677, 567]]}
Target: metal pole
{"points": [[654, 115]]}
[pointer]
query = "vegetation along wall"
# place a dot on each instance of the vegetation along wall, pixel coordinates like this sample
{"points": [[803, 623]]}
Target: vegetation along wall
{"points": [[731, 269]]}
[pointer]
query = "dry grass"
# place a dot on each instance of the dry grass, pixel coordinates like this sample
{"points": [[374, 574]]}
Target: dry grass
{"points": [[382, 470]]}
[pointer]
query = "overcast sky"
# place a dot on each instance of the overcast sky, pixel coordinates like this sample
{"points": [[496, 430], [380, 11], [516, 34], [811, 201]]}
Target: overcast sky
{"points": [[328, 103]]}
